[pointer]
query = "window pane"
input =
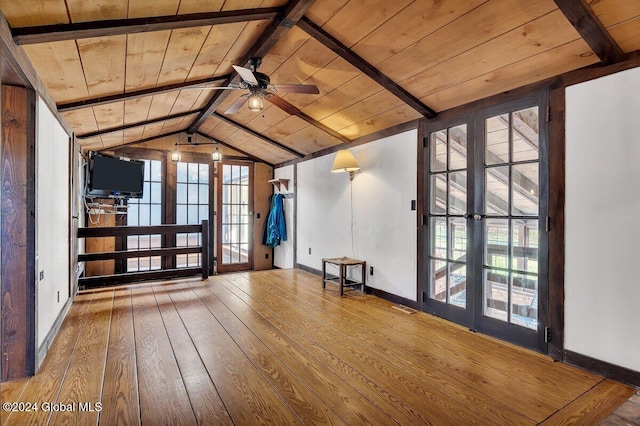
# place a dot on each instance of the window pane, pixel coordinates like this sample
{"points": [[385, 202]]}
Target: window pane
{"points": [[438, 151], [524, 300], [458, 284], [194, 175], [244, 214], [525, 134], [458, 147], [181, 193], [145, 214], [457, 193], [147, 170], [438, 234], [497, 139], [204, 194], [226, 233], [244, 233], [235, 174], [226, 174], [496, 239], [244, 195], [235, 253], [203, 171], [132, 215], [226, 193], [226, 253], [132, 242], [192, 193], [525, 189], [524, 252], [203, 213], [497, 191], [495, 294], [458, 238], [156, 241], [192, 215], [156, 171], [244, 253], [181, 215], [244, 171], [156, 192], [438, 280], [438, 194], [146, 196], [181, 240], [156, 214], [182, 172], [226, 214]]}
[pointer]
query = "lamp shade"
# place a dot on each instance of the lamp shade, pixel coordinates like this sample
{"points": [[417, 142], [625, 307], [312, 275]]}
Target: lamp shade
{"points": [[216, 155], [344, 162], [255, 103]]}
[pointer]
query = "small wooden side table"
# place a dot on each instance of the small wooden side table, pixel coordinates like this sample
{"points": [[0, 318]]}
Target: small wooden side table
{"points": [[342, 263]]}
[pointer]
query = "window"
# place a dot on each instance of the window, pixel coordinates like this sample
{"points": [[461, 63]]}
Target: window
{"points": [[192, 207], [146, 211]]}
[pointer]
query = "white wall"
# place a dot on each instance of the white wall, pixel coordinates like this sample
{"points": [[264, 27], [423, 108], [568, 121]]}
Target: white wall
{"points": [[602, 306], [283, 254], [384, 233], [52, 220]]}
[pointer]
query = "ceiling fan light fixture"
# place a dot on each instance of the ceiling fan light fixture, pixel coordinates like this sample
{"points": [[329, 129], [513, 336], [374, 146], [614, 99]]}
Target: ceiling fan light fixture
{"points": [[255, 103]]}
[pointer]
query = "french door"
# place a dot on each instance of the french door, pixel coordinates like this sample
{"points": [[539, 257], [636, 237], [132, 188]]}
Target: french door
{"points": [[485, 238], [235, 216]]}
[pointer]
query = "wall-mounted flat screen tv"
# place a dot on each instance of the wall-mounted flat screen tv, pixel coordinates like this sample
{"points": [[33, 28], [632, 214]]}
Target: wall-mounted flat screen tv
{"points": [[113, 177]]}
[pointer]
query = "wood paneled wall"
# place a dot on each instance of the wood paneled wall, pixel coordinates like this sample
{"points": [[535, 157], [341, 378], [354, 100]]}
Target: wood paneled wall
{"points": [[262, 255], [18, 232]]}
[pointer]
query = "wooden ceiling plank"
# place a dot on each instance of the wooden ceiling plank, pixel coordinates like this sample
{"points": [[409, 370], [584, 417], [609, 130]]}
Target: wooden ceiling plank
{"points": [[553, 62], [103, 63], [146, 139], [591, 30], [100, 100], [257, 135], [411, 24], [399, 115], [547, 32], [136, 110], [357, 18], [344, 52], [246, 154], [478, 26], [108, 116], [614, 12], [293, 12], [182, 51], [111, 27], [627, 34], [200, 6], [287, 107], [145, 53], [83, 121], [161, 105], [133, 125], [64, 77], [218, 43], [323, 10], [32, 13], [374, 105], [83, 10]]}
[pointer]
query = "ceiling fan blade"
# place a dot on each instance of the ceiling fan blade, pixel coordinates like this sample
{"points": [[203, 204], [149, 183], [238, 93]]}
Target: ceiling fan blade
{"points": [[246, 74], [311, 89], [235, 107], [284, 105]]}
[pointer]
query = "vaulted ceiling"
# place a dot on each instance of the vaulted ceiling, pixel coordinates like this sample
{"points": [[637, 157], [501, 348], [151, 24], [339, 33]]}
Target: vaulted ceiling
{"points": [[126, 71]]}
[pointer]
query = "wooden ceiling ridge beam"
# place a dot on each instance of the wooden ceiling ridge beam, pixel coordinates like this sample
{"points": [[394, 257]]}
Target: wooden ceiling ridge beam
{"points": [[294, 10], [102, 100], [112, 27], [591, 30], [357, 61], [257, 135], [253, 157], [138, 124]]}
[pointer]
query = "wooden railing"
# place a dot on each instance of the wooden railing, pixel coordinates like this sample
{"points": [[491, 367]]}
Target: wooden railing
{"points": [[127, 277]]}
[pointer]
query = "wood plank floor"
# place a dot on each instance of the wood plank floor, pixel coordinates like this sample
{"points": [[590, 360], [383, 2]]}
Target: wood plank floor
{"points": [[272, 348]]}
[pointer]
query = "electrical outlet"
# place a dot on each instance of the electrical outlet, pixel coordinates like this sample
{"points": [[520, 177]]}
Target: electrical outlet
{"points": [[370, 270], [309, 250], [266, 255], [41, 275], [58, 296]]}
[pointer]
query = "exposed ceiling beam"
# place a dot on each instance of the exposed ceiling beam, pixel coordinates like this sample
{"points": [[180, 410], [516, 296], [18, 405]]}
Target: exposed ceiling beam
{"points": [[133, 125], [91, 102], [257, 135], [348, 55], [150, 138], [294, 10], [293, 110], [79, 30], [591, 30], [253, 157]]}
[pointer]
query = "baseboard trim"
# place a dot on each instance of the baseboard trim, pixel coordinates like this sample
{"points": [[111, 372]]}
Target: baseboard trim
{"points": [[41, 353], [370, 290], [612, 371]]}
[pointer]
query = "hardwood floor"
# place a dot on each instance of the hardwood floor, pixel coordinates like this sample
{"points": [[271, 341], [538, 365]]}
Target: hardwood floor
{"points": [[271, 347]]}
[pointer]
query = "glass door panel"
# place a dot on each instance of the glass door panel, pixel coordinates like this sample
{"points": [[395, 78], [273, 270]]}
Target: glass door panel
{"points": [[235, 238]]}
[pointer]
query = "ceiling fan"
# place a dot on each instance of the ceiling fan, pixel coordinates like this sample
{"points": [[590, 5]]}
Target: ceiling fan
{"points": [[260, 87]]}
